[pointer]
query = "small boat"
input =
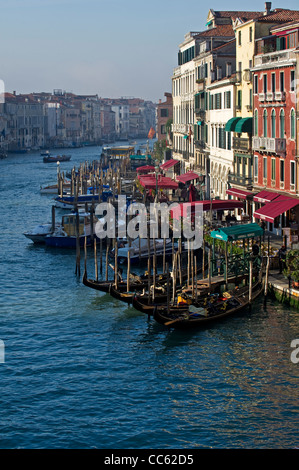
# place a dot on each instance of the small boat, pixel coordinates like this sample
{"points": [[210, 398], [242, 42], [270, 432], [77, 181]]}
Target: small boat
{"points": [[65, 235], [104, 286], [68, 202], [39, 233], [139, 249], [45, 153], [53, 188], [196, 316], [58, 158], [128, 297]]}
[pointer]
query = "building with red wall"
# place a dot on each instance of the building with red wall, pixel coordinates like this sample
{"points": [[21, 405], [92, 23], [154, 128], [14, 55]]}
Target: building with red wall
{"points": [[274, 115]]}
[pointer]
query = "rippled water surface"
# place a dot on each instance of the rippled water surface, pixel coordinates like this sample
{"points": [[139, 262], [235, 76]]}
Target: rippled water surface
{"points": [[83, 370]]}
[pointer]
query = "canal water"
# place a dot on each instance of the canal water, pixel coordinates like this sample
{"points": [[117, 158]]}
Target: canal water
{"points": [[83, 370]]}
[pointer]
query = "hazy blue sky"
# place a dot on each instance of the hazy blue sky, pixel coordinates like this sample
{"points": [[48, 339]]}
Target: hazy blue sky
{"points": [[110, 47]]}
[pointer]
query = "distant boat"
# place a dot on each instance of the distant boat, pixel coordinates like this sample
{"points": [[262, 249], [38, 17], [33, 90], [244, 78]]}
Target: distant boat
{"points": [[68, 202], [39, 233], [65, 235], [139, 249], [58, 158], [45, 153]]}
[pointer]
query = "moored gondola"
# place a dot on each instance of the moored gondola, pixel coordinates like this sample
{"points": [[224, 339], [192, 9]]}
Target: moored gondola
{"points": [[193, 316]]}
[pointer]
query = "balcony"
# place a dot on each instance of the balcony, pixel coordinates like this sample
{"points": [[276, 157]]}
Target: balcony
{"points": [[269, 144], [200, 112], [200, 144], [242, 143], [272, 58], [262, 96], [269, 96], [244, 181], [247, 76], [280, 96]]}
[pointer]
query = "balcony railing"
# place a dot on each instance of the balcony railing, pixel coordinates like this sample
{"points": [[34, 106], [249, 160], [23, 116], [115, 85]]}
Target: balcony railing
{"points": [[269, 144], [274, 57], [242, 143], [200, 144], [280, 95], [245, 181]]}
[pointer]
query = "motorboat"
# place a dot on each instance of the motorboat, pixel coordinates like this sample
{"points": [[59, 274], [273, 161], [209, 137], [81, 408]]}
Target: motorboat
{"points": [[39, 233], [139, 249]]}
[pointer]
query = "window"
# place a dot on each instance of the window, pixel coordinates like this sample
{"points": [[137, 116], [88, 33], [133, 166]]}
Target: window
{"points": [[265, 122], [255, 122], [281, 124], [281, 81], [273, 172], [227, 97], [250, 98], [293, 124], [164, 112], [281, 171], [250, 34], [221, 138], [255, 85], [273, 124], [163, 129], [229, 145], [239, 102], [255, 166], [265, 83], [240, 37], [292, 84], [265, 167], [292, 176], [273, 84]]}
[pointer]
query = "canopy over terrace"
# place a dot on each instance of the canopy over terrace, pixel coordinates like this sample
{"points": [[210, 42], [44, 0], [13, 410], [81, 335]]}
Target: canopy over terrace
{"points": [[183, 209], [237, 232], [163, 182], [275, 208], [169, 164], [145, 169], [189, 176]]}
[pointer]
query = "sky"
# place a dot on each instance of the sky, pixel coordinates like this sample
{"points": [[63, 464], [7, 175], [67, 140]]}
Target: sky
{"points": [[113, 48]]}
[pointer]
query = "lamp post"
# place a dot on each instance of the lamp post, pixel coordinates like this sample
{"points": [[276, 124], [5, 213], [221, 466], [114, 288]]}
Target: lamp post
{"points": [[156, 173]]}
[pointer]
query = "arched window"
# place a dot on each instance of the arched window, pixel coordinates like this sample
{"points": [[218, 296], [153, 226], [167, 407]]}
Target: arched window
{"points": [[265, 122], [255, 123], [281, 124], [273, 124], [293, 124]]}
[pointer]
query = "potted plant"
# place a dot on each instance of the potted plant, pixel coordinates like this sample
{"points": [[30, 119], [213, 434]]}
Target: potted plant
{"points": [[291, 269]]}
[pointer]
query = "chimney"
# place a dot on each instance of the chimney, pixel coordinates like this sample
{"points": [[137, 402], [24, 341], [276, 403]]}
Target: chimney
{"points": [[14, 92], [267, 8]]}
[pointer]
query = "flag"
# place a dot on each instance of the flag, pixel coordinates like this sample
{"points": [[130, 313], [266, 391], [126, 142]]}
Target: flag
{"points": [[151, 133], [190, 133]]}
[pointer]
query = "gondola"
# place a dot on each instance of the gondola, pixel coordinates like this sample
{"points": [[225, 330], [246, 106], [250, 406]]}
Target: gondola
{"points": [[128, 297], [193, 317], [104, 286]]}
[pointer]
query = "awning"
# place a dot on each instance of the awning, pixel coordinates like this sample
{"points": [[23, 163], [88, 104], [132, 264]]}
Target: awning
{"points": [[240, 193], [231, 124], [275, 208], [163, 182], [145, 169], [169, 164], [265, 196], [238, 232], [185, 208], [189, 176], [244, 125]]}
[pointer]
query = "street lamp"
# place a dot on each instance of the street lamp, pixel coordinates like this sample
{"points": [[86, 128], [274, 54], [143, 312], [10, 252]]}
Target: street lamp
{"points": [[157, 168]]}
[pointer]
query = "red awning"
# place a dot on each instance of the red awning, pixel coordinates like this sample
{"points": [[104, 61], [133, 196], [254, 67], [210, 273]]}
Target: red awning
{"points": [[145, 168], [189, 176], [168, 164], [240, 193], [182, 210], [275, 208], [265, 196], [149, 182]]}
